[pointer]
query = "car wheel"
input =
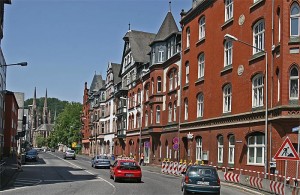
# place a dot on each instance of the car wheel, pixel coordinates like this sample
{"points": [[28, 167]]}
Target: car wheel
{"points": [[185, 192], [74, 158]]}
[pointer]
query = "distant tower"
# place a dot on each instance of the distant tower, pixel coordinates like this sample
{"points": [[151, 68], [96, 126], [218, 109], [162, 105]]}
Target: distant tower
{"points": [[45, 111]]}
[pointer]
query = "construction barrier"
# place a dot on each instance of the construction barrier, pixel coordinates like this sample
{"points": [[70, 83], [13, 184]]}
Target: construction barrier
{"points": [[163, 165], [175, 168], [19, 162], [179, 168], [170, 169]]}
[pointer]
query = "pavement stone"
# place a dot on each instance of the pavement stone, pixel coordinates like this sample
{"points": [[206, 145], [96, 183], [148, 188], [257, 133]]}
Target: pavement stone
{"points": [[8, 170]]}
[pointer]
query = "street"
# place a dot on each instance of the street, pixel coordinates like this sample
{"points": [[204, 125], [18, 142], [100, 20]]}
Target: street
{"points": [[51, 174]]}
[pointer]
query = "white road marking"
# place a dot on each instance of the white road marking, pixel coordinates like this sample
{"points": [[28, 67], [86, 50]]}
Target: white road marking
{"points": [[102, 179]]}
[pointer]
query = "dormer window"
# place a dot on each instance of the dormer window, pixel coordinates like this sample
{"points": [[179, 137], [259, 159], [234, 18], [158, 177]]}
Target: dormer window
{"points": [[161, 54], [153, 56]]}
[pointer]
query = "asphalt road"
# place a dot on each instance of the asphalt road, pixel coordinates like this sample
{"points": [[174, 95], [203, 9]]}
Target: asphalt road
{"points": [[54, 175]]}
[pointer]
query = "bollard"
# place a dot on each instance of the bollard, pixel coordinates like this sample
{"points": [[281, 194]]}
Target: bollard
{"points": [[19, 163]]}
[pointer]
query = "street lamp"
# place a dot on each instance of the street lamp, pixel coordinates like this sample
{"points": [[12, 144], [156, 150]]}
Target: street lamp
{"points": [[140, 129], [233, 38], [15, 64]]}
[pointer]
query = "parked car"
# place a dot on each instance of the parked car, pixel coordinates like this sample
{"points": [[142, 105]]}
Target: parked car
{"points": [[52, 149], [125, 169], [100, 161], [31, 155], [200, 179], [70, 154]]}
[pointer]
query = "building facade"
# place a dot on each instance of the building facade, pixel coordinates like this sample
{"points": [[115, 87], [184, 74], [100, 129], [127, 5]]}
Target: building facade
{"points": [[240, 82], [11, 122]]}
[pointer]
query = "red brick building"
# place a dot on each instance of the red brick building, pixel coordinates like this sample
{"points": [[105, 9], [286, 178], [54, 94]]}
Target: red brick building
{"points": [[225, 82], [11, 123], [85, 122]]}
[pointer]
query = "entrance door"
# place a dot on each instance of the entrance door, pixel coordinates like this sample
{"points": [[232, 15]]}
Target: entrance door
{"points": [[147, 155]]}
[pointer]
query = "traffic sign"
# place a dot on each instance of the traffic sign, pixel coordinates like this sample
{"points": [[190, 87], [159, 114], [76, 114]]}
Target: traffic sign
{"points": [[175, 146], [286, 151]]}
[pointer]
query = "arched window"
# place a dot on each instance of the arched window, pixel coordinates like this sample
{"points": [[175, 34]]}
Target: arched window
{"points": [[187, 72], [186, 109], [294, 83], [170, 112], [139, 96], [174, 115], [256, 149], [171, 81], [151, 115], [188, 37], [200, 105], [227, 93], [202, 28], [257, 91], [138, 120], [152, 86], [227, 53], [201, 64], [220, 149], [231, 146], [259, 36], [157, 114], [146, 118], [199, 148], [158, 84], [295, 20]]}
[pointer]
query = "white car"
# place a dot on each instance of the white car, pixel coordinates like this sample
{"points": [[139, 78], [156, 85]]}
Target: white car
{"points": [[70, 154]]}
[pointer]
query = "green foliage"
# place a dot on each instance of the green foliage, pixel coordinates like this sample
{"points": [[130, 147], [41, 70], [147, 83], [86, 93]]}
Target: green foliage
{"points": [[41, 141], [53, 104], [67, 125]]}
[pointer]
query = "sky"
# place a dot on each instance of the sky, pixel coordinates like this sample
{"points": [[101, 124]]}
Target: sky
{"points": [[65, 42]]}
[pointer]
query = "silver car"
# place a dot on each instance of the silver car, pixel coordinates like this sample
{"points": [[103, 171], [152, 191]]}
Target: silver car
{"points": [[100, 161], [70, 154]]}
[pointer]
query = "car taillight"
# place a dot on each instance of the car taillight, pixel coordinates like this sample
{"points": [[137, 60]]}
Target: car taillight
{"points": [[186, 179]]}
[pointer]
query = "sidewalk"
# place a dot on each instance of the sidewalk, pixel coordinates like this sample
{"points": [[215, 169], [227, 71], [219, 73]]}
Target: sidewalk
{"points": [[8, 170]]}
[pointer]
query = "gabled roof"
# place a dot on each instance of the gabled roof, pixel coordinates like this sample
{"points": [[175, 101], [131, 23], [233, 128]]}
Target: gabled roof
{"points": [[97, 83], [167, 28], [139, 43], [116, 69], [45, 127]]}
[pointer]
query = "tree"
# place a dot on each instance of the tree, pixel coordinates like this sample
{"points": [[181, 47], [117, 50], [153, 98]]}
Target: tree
{"points": [[40, 141], [67, 125]]}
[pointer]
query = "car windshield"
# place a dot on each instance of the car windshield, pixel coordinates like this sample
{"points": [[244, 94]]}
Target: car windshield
{"points": [[102, 157], [70, 151], [200, 171], [127, 163], [32, 152]]}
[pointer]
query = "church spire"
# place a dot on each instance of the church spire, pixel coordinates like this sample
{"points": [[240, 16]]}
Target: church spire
{"points": [[45, 110]]}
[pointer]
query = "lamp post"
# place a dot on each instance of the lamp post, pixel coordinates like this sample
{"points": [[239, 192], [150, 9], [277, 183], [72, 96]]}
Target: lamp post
{"points": [[15, 64], [140, 129], [233, 38]]}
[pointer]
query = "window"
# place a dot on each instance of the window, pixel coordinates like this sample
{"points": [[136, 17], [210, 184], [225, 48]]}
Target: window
{"points": [[147, 92], [256, 149], [175, 79], [201, 28], [158, 84], [174, 115], [152, 86], [200, 105], [188, 37], [151, 116], [146, 119], [279, 25], [220, 149], [170, 112], [294, 83], [231, 149], [187, 72], [228, 53], [199, 148], [227, 98], [228, 9], [171, 81], [201, 64], [157, 114], [295, 20], [161, 54], [153, 56], [257, 91], [169, 50], [259, 37], [139, 96], [138, 118], [186, 114]]}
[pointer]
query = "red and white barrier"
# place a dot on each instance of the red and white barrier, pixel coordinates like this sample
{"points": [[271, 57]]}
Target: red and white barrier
{"points": [[175, 167], [277, 187], [163, 164], [179, 168], [232, 177], [256, 182], [183, 167], [166, 167], [170, 169]]}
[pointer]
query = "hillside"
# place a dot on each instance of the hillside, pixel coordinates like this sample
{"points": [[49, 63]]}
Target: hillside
{"points": [[54, 104]]}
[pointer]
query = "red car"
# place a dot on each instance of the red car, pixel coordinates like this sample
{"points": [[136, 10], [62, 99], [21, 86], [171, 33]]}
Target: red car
{"points": [[125, 169]]}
